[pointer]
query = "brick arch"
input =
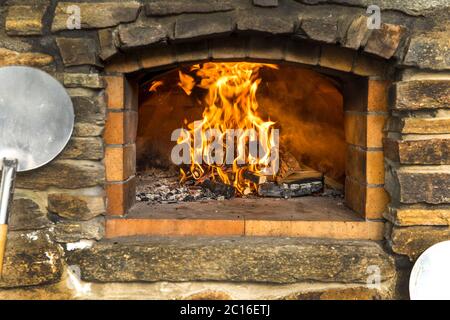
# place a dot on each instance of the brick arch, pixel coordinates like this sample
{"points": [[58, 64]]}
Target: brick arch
{"points": [[255, 47], [365, 113]]}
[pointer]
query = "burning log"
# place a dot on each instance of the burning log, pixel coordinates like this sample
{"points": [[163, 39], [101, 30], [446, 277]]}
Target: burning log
{"points": [[219, 188], [254, 177]]}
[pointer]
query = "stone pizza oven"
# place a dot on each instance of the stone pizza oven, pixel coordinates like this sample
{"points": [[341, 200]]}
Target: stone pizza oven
{"points": [[367, 110]]}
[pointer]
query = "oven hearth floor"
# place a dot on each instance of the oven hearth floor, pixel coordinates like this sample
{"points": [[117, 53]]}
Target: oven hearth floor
{"points": [[308, 217]]}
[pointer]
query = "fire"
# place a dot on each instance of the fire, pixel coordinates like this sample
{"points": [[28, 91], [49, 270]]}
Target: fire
{"points": [[155, 85], [230, 106], [186, 83]]}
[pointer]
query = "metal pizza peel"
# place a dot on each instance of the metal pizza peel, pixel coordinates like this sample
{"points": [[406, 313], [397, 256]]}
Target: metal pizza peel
{"points": [[36, 122], [430, 276]]}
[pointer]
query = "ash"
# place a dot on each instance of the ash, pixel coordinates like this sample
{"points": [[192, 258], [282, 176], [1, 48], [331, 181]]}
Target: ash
{"points": [[161, 186]]}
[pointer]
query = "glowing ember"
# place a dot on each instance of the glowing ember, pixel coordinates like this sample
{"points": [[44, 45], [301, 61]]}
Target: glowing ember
{"points": [[231, 141]]}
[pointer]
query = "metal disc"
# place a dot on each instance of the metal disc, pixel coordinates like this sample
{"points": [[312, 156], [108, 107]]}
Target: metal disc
{"points": [[36, 117], [430, 276]]}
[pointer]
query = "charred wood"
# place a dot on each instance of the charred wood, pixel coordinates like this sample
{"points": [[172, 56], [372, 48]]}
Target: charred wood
{"points": [[219, 188], [271, 189]]}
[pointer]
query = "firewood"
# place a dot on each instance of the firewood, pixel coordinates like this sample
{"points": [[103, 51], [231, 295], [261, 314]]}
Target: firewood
{"points": [[212, 175], [305, 174], [219, 188], [292, 171], [287, 164], [274, 190], [254, 177]]}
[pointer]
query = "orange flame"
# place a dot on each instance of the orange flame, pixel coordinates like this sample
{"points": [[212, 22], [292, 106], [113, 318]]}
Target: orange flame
{"points": [[230, 103], [155, 85], [186, 83]]}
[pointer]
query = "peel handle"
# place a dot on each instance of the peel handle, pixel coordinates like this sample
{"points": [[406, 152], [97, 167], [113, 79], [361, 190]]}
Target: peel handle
{"points": [[9, 168], [3, 233]]}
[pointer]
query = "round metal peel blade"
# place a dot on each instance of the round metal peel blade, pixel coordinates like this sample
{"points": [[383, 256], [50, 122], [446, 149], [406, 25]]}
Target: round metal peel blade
{"points": [[430, 276], [36, 117]]}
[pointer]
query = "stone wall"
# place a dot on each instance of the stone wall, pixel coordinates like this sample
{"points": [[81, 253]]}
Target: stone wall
{"points": [[61, 206]]}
